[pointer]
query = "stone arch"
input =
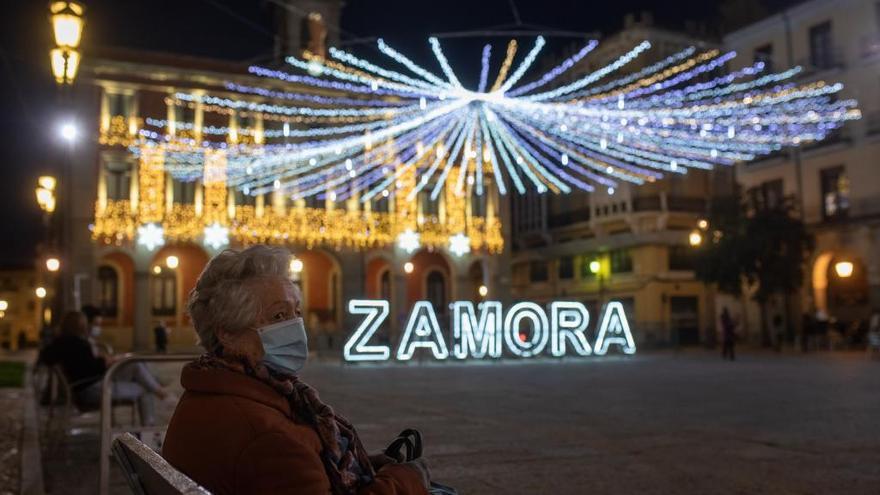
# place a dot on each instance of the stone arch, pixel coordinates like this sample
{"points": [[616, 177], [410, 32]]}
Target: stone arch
{"points": [[426, 263], [844, 298], [123, 265], [379, 279], [321, 286]]}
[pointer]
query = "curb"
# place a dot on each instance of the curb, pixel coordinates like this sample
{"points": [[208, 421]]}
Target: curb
{"points": [[31, 460]]}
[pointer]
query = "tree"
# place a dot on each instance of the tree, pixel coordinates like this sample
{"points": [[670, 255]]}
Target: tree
{"points": [[765, 249]]}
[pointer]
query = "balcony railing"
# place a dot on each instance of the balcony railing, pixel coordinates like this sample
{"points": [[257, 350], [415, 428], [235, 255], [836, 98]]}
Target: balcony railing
{"points": [[647, 203], [686, 204], [568, 217], [116, 223]]}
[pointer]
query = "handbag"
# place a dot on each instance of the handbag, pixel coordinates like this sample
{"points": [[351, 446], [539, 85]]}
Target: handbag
{"points": [[408, 447]]}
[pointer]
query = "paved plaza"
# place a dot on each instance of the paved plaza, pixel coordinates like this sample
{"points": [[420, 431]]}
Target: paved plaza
{"points": [[653, 423]]}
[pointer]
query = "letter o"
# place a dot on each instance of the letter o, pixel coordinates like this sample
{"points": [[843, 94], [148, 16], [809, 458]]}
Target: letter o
{"points": [[540, 336]]}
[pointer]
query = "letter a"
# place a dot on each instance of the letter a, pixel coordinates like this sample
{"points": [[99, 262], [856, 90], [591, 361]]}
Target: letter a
{"points": [[614, 330], [422, 322], [568, 321], [356, 349]]}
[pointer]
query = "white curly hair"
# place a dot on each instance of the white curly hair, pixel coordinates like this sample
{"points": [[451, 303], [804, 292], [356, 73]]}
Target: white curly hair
{"points": [[223, 296]]}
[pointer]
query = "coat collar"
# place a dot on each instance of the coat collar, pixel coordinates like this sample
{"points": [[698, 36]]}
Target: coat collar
{"points": [[227, 382]]}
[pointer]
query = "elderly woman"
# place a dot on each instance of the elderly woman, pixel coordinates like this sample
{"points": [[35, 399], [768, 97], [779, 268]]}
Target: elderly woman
{"points": [[246, 423]]}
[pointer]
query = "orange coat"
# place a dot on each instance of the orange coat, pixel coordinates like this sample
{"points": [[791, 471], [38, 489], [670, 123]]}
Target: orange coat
{"points": [[233, 434]]}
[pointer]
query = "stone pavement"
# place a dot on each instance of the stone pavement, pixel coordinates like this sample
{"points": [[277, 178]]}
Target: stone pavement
{"points": [[653, 423]]}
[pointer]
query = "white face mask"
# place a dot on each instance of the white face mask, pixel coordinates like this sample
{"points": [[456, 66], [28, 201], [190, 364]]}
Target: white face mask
{"points": [[285, 344]]}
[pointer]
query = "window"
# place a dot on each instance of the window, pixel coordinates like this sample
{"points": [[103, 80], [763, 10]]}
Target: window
{"points": [[835, 193], [768, 195], [681, 258], [183, 193], [380, 205], [184, 115], [316, 202], [245, 122], [164, 293], [478, 205], [764, 54], [108, 287], [436, 291], [538, 271], [244, 199], [621, 261], [427, 206], [821, 54], [118, 179], [566, 268], [586, 273], [119, 104], [385, 285]]}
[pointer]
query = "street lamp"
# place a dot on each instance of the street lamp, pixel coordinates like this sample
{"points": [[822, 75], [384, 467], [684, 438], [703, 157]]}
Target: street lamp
{"points": [[67, 26], [594, 267], [408, 267], [41, 292], [695, 238], [53, 264], [4, 305], [172, 262], [844, 269], [483, 291], [68, 132]]}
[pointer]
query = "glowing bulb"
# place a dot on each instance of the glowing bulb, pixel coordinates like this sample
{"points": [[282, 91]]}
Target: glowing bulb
{"points": [[594, 266], [408, 267], [68, 131], [172, 262], [41, 292], [296, 265], [695, 238], [157, 269], [844, 269], [483, 291], [53, 264]]}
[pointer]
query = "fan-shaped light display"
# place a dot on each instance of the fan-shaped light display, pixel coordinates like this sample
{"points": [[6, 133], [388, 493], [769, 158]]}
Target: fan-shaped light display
{"points": [[369, 131]]}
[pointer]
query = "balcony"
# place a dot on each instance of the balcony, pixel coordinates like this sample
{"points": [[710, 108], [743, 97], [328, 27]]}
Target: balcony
{"points": [[829, 59], [116, 223], [647, 203], [686, 204], [567, 218]]}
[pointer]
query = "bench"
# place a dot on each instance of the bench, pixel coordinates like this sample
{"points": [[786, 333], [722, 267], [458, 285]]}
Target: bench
{"points": [[148, 473]]}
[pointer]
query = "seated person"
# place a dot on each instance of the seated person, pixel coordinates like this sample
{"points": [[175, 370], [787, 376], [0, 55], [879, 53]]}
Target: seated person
{"points": [[84, 369], [246, 423]]}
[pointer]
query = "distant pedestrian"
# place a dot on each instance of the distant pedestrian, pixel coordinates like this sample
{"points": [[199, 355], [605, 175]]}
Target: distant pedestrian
{"points": [[728, 335], [160, 335]]}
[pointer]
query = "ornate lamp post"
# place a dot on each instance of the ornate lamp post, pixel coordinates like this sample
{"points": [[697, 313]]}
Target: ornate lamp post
{"points": [[67, 20], [67, 26]]}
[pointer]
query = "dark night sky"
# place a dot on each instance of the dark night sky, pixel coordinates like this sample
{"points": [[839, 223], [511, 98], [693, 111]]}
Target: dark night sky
{"points": [[240, 30]]}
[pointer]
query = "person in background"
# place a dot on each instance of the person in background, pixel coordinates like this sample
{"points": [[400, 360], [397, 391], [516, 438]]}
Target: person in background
{"points": [[246, 423], [728, 335], [85, 371], [160, 336]]}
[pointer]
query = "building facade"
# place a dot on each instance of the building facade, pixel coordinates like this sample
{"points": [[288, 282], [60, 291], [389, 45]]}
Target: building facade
{"points": [[835, 182], [21, 306], [628, 244], [143, 230]]}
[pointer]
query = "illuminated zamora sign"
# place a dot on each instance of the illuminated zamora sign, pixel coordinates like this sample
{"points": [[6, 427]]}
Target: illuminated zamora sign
{"points": [[480, 332]]}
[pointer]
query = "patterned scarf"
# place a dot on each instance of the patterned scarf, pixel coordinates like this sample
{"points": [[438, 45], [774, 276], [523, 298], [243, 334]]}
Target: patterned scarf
{"points": [[345, 459]]}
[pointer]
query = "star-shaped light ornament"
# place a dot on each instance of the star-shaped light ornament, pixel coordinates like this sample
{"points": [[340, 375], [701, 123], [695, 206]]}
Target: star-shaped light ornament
{"points": [[459, 244], [216, 235], [408, 241], [151, 236]]}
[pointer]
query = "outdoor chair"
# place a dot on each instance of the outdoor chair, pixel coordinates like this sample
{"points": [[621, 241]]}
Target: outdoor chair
{"points": [[60, 397], [147, 473]]}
